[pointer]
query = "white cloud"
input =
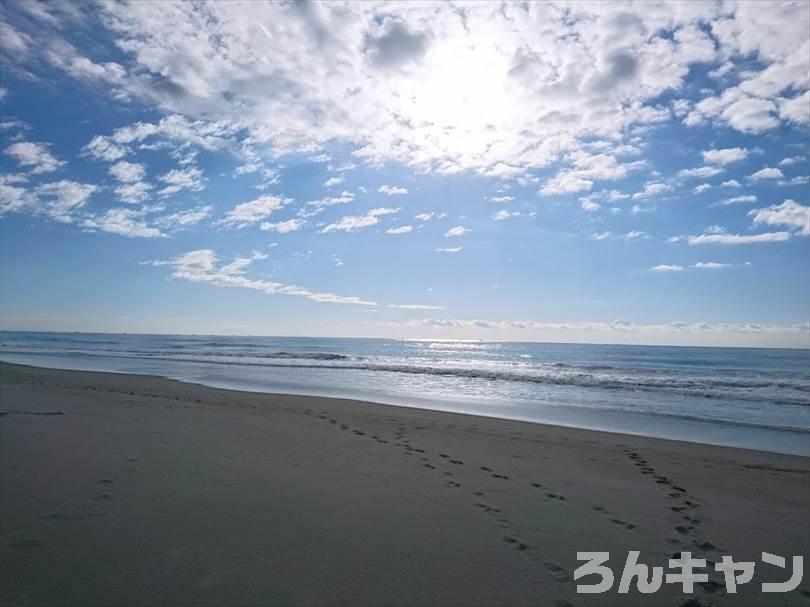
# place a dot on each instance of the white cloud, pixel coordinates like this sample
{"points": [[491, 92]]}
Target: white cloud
{"points": [[449, 249], [456, 231], [351, 223], [789, 214], [66, 197], [314, 207], [628, 236], [504, 214], [34, 156], [424, 216], [102, 148], [248, 213], [586, 203], [704, 187], [176, 132], [283, 227], [585, 169], [392, 190], [59, 200], [667, 268], [14, 125], [133, 193], [766, 173], [409, 83], [182, 179], [388, 66], [676, 332], [399, 230], [333, 181], [747, 199], [183, 219], [723, 238], [652, 188], [501, 199], [725, 156], [738, 110], [702, 172], [710, 265], [203, 266], [636, 235], [721, 71], [128, 172], [792, 160], [796, 109], [122, 221]]}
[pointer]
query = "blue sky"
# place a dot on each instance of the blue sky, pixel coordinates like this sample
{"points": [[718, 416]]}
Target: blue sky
{"points": [[618, 173]]}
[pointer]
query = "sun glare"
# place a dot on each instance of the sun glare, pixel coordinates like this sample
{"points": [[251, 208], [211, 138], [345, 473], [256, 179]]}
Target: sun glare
{"points": [[461, 91]]}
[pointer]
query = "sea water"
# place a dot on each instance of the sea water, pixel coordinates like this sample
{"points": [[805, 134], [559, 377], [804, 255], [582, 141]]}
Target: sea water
{"points": [[747, 397]]}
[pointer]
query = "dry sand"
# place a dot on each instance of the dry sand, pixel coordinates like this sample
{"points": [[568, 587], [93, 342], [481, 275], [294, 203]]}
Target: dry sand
{"points": [[137, 490]]}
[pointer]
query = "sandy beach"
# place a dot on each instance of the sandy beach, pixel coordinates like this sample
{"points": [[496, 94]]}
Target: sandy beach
{"points": [[138, 490]]}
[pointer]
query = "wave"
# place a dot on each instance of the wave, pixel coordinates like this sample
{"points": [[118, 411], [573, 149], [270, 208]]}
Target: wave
{"points": [[761, 390]]}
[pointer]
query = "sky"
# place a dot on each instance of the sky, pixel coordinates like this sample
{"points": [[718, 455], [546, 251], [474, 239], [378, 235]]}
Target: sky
{"points": [[579, 172]]}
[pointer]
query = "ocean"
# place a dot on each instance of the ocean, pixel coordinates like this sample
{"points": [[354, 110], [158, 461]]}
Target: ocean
{"points": [[745, 397]]}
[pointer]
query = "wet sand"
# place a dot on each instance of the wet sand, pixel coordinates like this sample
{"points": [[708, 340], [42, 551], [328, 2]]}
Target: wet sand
{"points": [[137, 490]]}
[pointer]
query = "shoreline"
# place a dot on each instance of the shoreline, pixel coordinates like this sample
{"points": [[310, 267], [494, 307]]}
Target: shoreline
{"points": [[318, 337], [143, 490], [672, 428]]}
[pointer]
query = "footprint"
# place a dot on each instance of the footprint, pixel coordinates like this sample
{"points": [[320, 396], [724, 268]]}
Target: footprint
{"points": [[104, 497], [104, 481], [458, 462], [557, 572], [485, 469], [515, 543]]}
